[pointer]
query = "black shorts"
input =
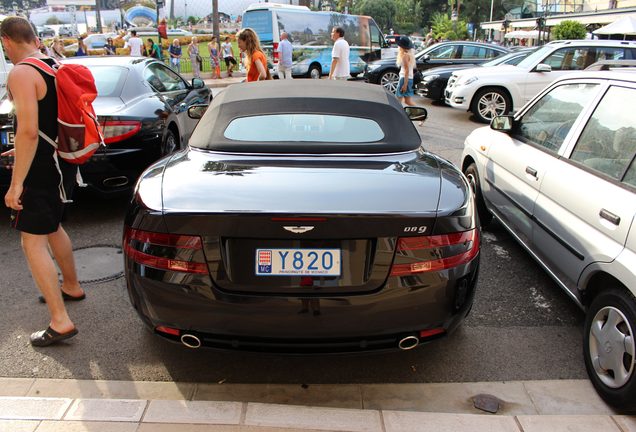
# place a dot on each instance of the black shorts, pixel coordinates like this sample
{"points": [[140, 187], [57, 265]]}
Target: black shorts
{"points": [[229, 60], [42, 211]]}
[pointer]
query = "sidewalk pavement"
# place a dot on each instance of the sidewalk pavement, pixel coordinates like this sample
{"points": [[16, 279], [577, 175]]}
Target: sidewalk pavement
{"points": [[53, 405]]}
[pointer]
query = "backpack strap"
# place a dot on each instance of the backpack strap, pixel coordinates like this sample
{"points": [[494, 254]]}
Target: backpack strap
{"points": [[39, 64]]}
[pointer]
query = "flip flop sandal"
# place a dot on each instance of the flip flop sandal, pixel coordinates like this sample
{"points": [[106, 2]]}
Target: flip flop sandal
{"points": [[65, 297], [49, 336]]}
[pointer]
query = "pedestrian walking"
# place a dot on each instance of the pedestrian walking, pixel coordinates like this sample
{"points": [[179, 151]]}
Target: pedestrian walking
{"points": [[214, 58], [153, 49], [255, 60], [37, 181], [175, 55], [339, 55], [109, 48], [195, 58], [57, 49], [406, 63], [81, 47], [135, 44], [228, 55], [284, 57]]}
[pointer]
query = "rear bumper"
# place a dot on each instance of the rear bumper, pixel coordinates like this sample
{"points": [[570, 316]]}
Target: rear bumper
{"points": [[328, 324]]}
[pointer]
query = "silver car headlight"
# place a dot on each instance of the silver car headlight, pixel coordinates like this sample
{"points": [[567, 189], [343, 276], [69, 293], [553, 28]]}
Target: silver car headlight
{"points": [[429, 78], [372, 67], [466, 80]]}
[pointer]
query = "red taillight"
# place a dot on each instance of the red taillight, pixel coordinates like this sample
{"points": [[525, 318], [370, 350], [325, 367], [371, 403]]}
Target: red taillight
{"points": [[119, 130], [431, 332], [175, 243], [470, 239], [168, 330], [276, 53]]}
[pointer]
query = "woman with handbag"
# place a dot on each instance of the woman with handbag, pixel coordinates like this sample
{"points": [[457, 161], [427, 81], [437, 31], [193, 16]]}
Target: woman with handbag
{"points": [[195, 58], [255, 60]]}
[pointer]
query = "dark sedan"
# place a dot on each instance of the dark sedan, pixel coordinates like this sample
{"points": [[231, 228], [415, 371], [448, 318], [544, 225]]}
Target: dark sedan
{"points": [[434, 80], [303, 217], [386, 72], [142, 107]]}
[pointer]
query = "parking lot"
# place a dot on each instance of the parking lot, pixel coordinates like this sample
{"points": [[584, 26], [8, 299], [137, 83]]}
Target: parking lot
{"points": [[522, 327]]}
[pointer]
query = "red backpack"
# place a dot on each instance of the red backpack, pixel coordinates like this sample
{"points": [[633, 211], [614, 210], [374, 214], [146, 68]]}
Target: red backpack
{"points": [[78, 132]]}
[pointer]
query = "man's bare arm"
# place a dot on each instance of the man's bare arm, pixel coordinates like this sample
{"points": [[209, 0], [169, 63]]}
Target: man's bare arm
{"points": [[334, 63]]}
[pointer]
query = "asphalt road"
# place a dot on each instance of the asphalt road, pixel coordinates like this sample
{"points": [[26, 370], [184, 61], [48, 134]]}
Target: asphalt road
{"points": [[522, 327]]}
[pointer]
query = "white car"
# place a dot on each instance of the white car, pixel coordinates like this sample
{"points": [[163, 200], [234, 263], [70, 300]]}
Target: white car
{"points": [[489, 92], [561, 177]]}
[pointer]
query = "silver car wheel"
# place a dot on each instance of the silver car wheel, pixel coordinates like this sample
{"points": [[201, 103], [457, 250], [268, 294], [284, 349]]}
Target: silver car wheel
{"points": [[389, 81], [314, 72], [491, 104], [611, 345]]}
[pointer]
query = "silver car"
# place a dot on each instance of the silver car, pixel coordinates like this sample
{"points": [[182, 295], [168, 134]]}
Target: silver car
{"points": [[561, 177]]}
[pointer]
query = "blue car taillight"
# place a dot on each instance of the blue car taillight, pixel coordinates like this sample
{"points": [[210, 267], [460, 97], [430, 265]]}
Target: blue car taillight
{"points": [[173, 252], [434, 253]]}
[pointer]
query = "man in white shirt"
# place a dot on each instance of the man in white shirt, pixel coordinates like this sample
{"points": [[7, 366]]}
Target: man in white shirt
{"points": [[340, 55], [285, 57], [134, 43]]}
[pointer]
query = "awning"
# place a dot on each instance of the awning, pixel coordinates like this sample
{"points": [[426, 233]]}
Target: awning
{"points": [[625, 26], [522, 34]]}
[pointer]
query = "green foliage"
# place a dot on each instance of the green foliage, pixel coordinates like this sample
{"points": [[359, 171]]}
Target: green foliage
{"points": [[569, 30], [53, 20], [382, 11], [446, 29], [192, 20]]}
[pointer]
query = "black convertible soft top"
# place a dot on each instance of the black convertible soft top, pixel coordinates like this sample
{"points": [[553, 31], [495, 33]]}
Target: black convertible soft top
{"points": [[345, 98]]}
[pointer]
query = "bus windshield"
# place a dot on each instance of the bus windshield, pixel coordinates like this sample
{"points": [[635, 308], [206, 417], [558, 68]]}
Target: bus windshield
{"points": [[261, 22]]}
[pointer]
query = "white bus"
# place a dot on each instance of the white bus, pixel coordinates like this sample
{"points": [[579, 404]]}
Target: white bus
{"points": [[310, 35]]}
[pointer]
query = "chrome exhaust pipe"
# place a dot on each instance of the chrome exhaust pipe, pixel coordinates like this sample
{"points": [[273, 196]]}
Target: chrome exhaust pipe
{"points": [[408, 343], [191, 341], [115, 181]]}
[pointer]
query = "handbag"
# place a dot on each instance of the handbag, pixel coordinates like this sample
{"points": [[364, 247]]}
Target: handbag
{"points": [[199, 59]]}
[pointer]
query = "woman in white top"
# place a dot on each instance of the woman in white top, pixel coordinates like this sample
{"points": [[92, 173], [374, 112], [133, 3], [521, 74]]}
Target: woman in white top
{"points": [[406, 62]]}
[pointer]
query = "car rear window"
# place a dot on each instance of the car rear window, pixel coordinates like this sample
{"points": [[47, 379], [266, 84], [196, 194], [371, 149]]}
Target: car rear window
{"points": [[304, 128], [109, 79]]}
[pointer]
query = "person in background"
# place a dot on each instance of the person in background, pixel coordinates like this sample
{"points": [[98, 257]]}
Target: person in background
{"points": [[255, 60], [406, 63], [109, 48], [175, 55], [228, 55], [214, 58], [340, 55], [135, 44], [57, 49], [153, 49], [285, 57], [193, 52], [81, 47]]}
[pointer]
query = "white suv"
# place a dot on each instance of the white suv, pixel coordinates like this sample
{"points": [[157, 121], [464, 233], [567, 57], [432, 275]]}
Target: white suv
{"points": [[561, 177], [489, 92]]}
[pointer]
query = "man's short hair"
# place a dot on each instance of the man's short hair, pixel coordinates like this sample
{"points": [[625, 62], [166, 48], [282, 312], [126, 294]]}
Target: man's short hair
{"points": [[17, 29], [340, 31], [133, 32]]}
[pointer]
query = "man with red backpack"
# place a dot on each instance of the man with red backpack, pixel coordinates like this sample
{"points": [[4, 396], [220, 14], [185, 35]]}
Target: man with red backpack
{"points": [[40, 180]]}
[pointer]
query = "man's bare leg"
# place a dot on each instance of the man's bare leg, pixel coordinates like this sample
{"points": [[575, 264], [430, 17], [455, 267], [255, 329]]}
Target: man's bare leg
{"points": [[63, 252], [45, 276]]}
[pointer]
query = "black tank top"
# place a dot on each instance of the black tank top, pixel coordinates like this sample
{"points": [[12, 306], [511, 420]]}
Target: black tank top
{"points": [[43, 172]]}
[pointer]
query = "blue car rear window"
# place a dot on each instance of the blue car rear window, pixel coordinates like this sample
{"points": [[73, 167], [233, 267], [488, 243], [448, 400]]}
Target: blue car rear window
{"points": [[304, 128]]}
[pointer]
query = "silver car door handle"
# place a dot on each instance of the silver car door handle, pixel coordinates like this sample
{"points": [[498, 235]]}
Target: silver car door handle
{"points": [[531, 171], [608, 215]]}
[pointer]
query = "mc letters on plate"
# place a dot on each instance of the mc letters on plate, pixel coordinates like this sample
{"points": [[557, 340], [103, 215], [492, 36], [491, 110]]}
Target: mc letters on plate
{"points": [[298, 262]]}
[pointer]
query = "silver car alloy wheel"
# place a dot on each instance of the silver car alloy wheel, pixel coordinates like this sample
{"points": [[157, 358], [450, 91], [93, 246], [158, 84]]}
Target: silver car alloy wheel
{"points": [[491, 104], [612, 347], [389, 81]]}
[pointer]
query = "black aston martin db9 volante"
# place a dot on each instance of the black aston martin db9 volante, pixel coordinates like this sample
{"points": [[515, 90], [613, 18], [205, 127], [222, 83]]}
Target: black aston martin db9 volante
{"points": [[302, 217]]}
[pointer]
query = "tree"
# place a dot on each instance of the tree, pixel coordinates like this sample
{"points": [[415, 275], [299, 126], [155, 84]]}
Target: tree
{"points": [[444, 28], [569, 29], [53, 20], [382, 11]]}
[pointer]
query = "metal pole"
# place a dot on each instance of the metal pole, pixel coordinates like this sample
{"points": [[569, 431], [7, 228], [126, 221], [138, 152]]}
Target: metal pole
{"points": [[98, 16], [492, 2]]}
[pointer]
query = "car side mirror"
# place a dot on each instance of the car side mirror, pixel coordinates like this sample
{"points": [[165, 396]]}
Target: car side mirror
{"points": [[197, 111], [542, 67], [416, 113], [197, 83], [502, 123], [426, 57]]}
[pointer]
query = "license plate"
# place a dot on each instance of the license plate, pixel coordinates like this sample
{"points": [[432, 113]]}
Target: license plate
{"points": [[7, 138], [298, 262]]}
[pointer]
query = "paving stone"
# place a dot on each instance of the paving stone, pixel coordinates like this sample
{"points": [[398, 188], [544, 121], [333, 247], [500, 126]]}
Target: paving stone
{"points": [[402, 421], [567, 423], [88, 389], [332, 419], [107, 410], [26, 408], [335, 396], [626, 423], [447, 398], [566, 397], [15, 386], [18, 425], [82, 426], [194, 412], [156, 427]]}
